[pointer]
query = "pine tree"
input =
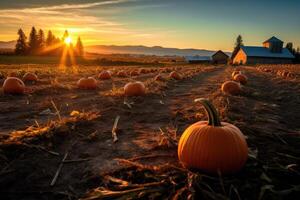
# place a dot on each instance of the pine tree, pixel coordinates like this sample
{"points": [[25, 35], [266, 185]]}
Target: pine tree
{"points": [[41, 40], [21, 46], [57, 40], [33, 41], [66, 34], [238, 44], [79, 47], [289, 46], [50, 39]]}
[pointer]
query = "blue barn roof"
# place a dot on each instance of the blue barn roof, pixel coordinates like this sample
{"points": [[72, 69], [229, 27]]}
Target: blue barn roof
{"points": [[252, 51]]}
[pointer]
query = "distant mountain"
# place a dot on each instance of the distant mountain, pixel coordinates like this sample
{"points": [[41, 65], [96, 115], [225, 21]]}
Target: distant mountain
{"points": [[156, 50], [8, 44], [113, 49]]}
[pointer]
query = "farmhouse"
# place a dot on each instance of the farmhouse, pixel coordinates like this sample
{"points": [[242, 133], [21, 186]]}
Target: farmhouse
{"points": [[220, 57], [272, 52]]}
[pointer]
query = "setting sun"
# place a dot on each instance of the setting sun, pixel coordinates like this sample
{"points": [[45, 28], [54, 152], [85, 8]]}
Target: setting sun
{"points": [[68, 40]]}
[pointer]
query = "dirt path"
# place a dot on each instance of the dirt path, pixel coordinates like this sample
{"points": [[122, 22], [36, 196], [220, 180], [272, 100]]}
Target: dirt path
{"points": [[138, 135]]}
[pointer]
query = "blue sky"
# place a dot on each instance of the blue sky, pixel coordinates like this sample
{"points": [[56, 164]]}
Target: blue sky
{"points": [[173, 23]]}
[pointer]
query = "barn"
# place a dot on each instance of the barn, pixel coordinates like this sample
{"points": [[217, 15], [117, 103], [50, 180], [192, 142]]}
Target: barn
{"points": [[272, 52], [220, 57]]}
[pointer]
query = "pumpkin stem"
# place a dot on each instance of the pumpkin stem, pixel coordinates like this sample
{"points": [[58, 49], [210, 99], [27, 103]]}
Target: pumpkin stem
{"points": [[213, 117]]}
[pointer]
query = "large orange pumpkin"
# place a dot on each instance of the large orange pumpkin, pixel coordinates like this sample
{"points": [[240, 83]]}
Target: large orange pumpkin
{"points": [[13, 85], [241, 78], [134, 89], [175, 75], [231, 87], [104, 75], [30, 77], [213, 145], [87, 83]]}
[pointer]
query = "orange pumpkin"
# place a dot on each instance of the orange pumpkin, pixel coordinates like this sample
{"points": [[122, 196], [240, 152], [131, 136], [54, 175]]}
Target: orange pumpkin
{"points": [[278, 73], [175, 75], [213, 145], [13, 74], [284, 73], [241, 78], [104, 75], [143, 71], [121, 74], [30, 77], [159, 78], [134, 73], [87, 83], [13, 85], [235, 73], [134, 89], [231, 87], [290, 75], [1, 75]]}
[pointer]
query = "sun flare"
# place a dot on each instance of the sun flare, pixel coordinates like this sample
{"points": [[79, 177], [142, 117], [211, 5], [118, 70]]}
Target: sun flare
{"points": [[68, 41]]}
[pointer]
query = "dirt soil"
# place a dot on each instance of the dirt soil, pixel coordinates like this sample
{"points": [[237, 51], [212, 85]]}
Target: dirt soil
{"points": [[143, 163]]}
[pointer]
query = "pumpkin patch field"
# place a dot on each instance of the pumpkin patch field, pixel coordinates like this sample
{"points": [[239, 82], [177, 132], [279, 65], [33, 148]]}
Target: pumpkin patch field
{"points": [[150, 132]]}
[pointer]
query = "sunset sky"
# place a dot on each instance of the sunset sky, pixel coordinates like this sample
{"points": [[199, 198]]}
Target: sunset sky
{"points": [[201, 24]]}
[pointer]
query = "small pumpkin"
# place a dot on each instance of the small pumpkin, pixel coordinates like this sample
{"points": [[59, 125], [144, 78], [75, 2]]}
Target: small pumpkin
{"points": [[290, 75], [175, 75], [285, 73], [213, 145], [231, 87], [87, 83], [143, 71], [278, 73], [13, 85], [30, 77], [2, 75], [159, 78], [13, 74], [235, 73], [134, 89], [134, 73], [241, 78], [121, 73], [104, 75]]}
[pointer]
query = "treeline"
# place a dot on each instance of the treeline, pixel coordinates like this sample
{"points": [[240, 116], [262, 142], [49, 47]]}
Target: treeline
{"points": [[294, 51], [38, 44]]}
